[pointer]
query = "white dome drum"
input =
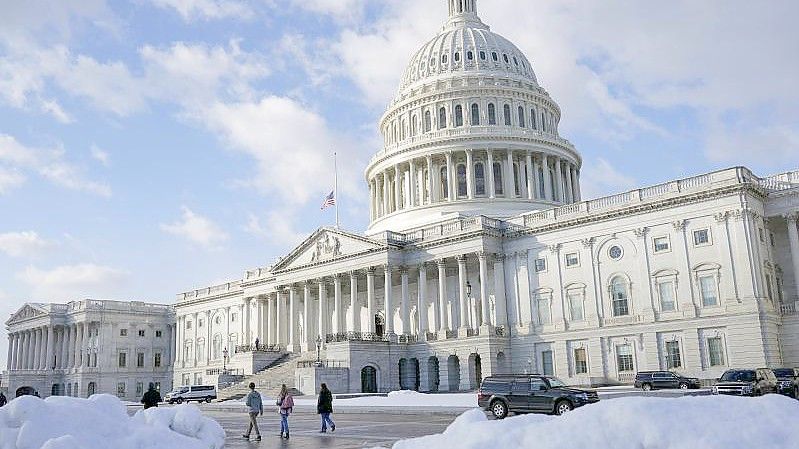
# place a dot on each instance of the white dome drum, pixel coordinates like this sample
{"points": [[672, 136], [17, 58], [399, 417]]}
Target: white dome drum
{"points": [[470, 132]]}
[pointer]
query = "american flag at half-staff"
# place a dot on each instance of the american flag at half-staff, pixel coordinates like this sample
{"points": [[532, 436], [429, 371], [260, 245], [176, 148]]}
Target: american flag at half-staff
{"points": [[330, 200]]}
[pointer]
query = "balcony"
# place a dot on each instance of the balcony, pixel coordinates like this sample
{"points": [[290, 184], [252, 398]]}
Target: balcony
{"points": [[243, 349], [355, 336]]}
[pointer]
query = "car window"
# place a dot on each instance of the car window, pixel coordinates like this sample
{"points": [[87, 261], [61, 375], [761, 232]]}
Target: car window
{"points": [[738, 376], [659, 375], [784, 372], [493, 385], [538, 385], [521, 387], [184, 390]]}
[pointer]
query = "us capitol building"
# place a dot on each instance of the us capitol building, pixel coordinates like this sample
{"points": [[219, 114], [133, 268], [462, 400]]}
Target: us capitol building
{"points": [[481, 256]]}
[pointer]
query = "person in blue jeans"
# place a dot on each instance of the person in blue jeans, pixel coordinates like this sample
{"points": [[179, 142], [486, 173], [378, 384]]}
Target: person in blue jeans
{"points": [[285, 404], [324, 407]]}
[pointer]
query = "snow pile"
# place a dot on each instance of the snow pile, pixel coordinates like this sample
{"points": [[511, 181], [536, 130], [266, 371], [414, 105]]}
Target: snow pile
{"points": [[702, 422], [102, 422]]}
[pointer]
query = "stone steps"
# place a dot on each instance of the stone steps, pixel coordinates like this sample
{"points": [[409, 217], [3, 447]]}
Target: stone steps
{"points": [[267, 381]]}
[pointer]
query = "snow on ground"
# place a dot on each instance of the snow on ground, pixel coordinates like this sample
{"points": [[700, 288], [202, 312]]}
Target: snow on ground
{"points": [[691, 422], [102, 422], [406, 399]]}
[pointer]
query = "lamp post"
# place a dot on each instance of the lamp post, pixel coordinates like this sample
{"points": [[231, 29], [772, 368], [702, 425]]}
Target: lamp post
{"points": [[224, 360], [319, 350]]}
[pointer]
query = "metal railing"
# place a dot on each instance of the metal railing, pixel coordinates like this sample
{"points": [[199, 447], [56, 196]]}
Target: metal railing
{"points": [[260, 348], [354, 336], [626, 377], [407, 338], [472, 332], [320, 364], [788, 308], [500, 331], [431, 336], [220, 371], [452, 334]]}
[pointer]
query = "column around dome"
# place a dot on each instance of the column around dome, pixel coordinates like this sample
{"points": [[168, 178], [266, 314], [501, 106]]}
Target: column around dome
{"points": [[469, 174], [559, 197], [547, 177], [411, 184], [429, 188], [490, 170], [569, 191], [528, 159], [397, 189], [450, 192]]}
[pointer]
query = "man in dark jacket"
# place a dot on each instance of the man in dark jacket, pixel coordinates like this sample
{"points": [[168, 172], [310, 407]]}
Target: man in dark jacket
{"points": [[324, 407], [3, 399], [151, 398]]}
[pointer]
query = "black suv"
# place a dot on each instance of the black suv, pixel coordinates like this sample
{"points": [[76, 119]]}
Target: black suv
{"points": [[746, 382], [788, 381], [652, 380], [526, 393]]}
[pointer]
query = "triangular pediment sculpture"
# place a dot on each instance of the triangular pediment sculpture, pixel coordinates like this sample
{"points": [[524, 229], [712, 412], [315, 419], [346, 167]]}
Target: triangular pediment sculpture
{"points": [[327, 244], [27, 311]]}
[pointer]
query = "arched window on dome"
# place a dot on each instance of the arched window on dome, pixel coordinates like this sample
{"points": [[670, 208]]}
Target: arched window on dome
{"points": [[516, 61], [505, 58], [543, 122], [506, 111], [521, 117], [475, 114], [469, 55], [442, 118], [457, 56], [479, 179], [498, 178], [425, 193], [517, 179], [458, 115], [414, 126], [494, 56], [444, 183], [492, 114], [403, 128], [620, 296], [462, 191], [428, 122], [483, 55], [532, 119], [394, 132], [444, 58]]}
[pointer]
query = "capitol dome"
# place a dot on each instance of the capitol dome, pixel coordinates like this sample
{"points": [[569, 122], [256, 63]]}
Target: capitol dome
{"points": [[470, 132]]}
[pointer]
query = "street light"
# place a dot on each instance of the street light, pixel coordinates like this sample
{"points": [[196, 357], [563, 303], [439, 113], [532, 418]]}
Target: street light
{"points": [[318, 349], [224, 360]]}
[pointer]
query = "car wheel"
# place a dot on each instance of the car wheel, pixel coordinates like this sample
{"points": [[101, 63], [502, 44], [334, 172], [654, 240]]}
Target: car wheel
{"points": [[499, 409], [683, 386], [180, 400], [563, 407], [208, 400], [646, 387]]}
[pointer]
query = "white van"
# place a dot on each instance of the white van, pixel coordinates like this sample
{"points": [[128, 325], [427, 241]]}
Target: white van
{"points": [[187, 393]]}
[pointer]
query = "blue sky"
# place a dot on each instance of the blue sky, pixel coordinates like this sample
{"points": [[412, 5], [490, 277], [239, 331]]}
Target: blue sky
{"points": [[148, 147]]}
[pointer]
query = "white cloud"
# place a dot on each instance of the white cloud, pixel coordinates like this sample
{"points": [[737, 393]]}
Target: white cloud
{"points": [[10, 179], [207, 9], [339, 9], [601, 178], [100, 155], [68, 282], [19, 244], [49, 163], [762, 147], [197, 229], [279, 228]]}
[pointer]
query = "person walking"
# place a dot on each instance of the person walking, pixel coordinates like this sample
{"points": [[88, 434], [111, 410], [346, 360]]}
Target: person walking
{"points": [[3, 400], [151, 398], [324, 406], [256, 407], [285, 404]]}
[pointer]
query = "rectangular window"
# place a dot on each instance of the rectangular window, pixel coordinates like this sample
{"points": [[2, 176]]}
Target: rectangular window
{"points": [[576, 305], [544, 314], [540, 265], [701, 237], [572, 260], [157, 360], [233, 317], [141, 332], [94, 360], [200, 322], [661, 244], [715, 351], [547, 363], [139, 388], [624, 358], [123, 332], [186, 379], [121, 389], [123, 360], [673, 359], [580, 361], [707, 286], [666, 291], [140, 360], [188, 324], [158, 334]]}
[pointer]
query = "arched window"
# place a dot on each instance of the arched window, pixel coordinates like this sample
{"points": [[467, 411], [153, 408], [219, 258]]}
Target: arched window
{"points": [[532, 119], [444, 183], [620, 296], [505, 58], [428, 123], [403, 127], [494, 56], [517, 179], [492, 114], [543, 122], [521, 116], [479, 179], [217, 348], [442, 118], [483, 55], [457, 56], [444, 58], [506, 111], [458, 115], [497, 178], [414, 126], [462, 191], [469, 55], [475, 114]]}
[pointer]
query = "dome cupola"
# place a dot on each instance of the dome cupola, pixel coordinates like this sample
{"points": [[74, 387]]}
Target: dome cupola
{"points": [[470, 132]]}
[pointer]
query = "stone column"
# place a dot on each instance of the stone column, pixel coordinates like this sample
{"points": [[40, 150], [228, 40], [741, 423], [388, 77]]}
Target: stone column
{"points": [[528, 159], [793, 238], [470, 175], [32, 344], [450, 193], [386, 209], [338, 326], [321, 331], [64, 347], [510, 183], [548, 195], [270, 319], [405, 302], [246, 338], [485, 319], [355, 305], [79, 356], [50, 347], [537, 193], [463, 299], [370, 300], [577, 185], [397, 188], [37, 348], [292, 325], [280, 319], [499, 290], [574, 184], [442, 295], [10, 356], [422, 306], [490, 172], [559, 181], [388, 303], [411, 189], [306, 318], [569, 191], [14, 346], [260, 321], [429, 188], [22, 351]]}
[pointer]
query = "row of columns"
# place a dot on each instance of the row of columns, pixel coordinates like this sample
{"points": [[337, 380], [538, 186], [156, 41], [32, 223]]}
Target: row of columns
{"points": [[419, 182], [793, 239], [45, 347]]}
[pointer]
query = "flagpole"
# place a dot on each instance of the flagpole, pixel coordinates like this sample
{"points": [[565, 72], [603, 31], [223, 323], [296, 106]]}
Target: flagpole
{"points": [[335, 185]]}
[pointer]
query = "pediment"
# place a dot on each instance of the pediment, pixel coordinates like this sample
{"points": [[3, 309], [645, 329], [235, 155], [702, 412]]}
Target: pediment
{"points": [[27, 312], [327, 244]]}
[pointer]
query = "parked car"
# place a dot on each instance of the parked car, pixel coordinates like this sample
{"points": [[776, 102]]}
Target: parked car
{"points": [[197, 393], [788, 381], [747, 382], [654, 380], [530, 393]]}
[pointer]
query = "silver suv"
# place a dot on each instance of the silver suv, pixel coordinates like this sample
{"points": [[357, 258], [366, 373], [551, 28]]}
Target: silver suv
{"points": [[746, 382]]}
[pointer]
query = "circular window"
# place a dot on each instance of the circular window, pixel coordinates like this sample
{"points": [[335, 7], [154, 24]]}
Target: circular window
{"points": [[615, 252]]}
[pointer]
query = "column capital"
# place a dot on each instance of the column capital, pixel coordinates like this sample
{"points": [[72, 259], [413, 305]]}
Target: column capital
{"points": [[499, 257], [461, 258], [482, 255], [791, 216], [371, 271], [441, 262], [403, 269]]}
